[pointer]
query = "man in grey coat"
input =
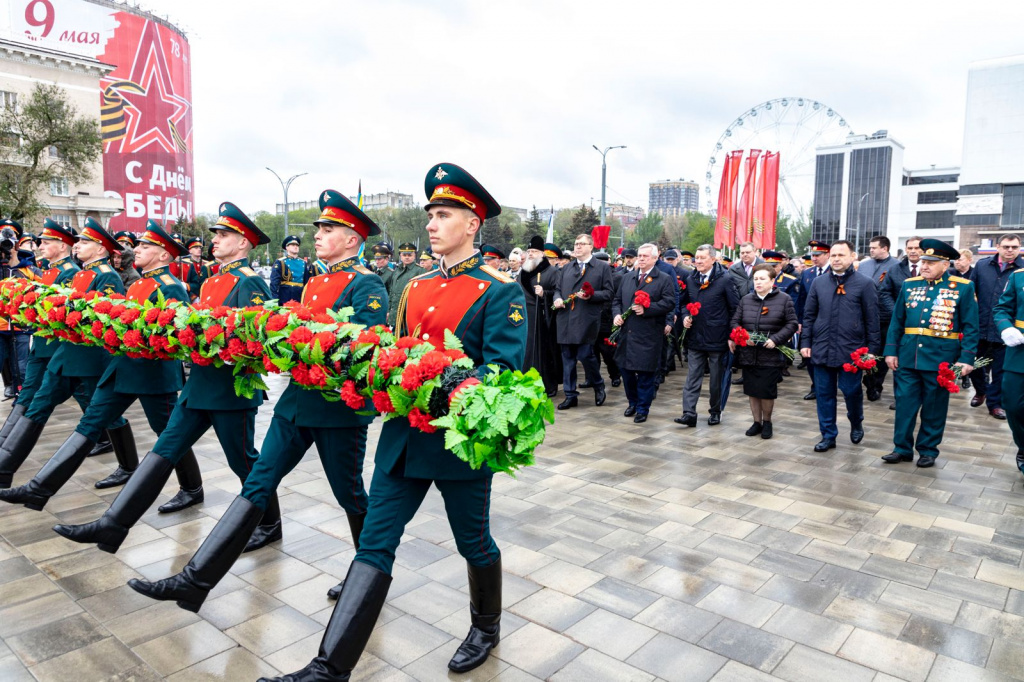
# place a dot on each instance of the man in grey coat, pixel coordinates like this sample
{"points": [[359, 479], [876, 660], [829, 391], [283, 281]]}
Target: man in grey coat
{"points": [[579, 318]]}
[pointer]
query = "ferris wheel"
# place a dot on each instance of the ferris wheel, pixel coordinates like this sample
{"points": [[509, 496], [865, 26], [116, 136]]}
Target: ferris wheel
{"points": [[792, 126]]}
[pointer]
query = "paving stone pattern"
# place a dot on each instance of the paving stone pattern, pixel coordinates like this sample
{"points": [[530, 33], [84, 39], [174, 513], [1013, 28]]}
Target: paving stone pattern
{"points": [[631, 552]]}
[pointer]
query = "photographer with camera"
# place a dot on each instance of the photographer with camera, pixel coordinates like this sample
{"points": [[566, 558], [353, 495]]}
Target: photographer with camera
{"points": [[19, 263]]}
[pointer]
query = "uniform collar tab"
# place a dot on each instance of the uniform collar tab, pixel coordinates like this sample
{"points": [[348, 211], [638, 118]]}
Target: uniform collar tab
{"points": [[461, 267], [156, 272], [234, 265]]}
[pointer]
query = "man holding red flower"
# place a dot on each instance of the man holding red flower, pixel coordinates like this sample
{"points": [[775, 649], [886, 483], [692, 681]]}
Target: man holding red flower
{"points": [[645, 297]]}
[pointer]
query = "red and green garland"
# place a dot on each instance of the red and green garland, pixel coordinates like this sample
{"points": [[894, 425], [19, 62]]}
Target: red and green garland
{"points": [[497, 418]]}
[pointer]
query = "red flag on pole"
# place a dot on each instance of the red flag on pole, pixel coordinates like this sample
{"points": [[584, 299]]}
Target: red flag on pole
{"points": [[757, 211], [745, 207], [725, 226], [770, 200], [600, 235]]}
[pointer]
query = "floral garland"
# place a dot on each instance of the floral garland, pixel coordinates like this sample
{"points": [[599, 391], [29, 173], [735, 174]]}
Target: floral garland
{"points": [[497, 419]]}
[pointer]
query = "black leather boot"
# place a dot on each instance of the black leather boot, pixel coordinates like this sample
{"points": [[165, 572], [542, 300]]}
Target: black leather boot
{"points": [[1020, 461], [349, 629], [16, 449], [485, 613], [190, 485], [269, 529], [57, 471], [103, 445], [111, 529], [123, 443], [355, 524], [16, 413], [211, 561]]}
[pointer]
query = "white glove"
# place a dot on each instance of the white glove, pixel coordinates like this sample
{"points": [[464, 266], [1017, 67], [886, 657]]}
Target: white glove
{"points": [[1012, 336]]}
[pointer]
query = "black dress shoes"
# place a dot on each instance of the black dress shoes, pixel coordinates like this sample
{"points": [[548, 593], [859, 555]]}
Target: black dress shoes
{"points": [[825, 444], [640, 419], [687, 421], [630, 411], [714, 419], [896, 458], [616, 383], [978, 400], [873, 394], [738, 381], [998, 413], [754, 429], [568, 403], [925, 462], [766, 430], [810, 396], [599, 396], [586, 384], [856, 435]]}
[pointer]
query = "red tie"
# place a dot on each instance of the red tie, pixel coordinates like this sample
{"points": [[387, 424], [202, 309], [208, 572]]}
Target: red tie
{"points": [[913, 270]]}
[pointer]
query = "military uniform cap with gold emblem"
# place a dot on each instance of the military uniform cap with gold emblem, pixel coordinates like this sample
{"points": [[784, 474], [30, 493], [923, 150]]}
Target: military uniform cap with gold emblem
{"points": [[427, 256], [232, 218], [157, 236], [406, 247], [491, 252], [54, 230], [934, 321], [449, 185], [126, 238], [92, 231], [381, 249]]}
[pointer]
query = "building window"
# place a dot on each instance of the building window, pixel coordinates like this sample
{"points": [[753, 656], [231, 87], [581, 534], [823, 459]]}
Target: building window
{"points": [[930, 179], [935, 220], [967, 190], [983, 220], [868, 198], [948, 197], [59, 187], [1013, 206], [62, 220], [8, 100], [828, 197]]}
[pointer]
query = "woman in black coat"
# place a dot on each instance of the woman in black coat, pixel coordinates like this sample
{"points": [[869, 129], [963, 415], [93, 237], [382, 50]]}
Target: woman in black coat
{"points": [[765, 310]]}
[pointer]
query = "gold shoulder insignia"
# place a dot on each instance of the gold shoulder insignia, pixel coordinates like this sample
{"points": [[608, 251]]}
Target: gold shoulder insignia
{"points": [[362, 270], [914, 279], [427, 275], [786, 275], [497, 274], [166, 279], [248, 272], [959, 280], [66, 266], [105, 268]]}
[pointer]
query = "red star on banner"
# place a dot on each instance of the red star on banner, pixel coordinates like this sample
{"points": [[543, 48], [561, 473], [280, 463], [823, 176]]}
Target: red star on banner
{"points": [[150, 116]]}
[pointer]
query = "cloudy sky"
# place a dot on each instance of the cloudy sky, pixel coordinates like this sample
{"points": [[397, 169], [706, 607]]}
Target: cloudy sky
{"points": [[517, 92]]}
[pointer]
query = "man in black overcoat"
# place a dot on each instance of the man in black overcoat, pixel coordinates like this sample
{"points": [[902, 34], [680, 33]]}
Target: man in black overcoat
{"points": [[539, 289]]}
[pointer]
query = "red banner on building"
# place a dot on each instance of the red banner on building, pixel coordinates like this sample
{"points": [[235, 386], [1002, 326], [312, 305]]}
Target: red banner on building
{"points": [[725, 226]]}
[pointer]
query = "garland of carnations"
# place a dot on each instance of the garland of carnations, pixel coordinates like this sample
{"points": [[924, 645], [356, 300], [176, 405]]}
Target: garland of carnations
{"points": [[497, 419]]}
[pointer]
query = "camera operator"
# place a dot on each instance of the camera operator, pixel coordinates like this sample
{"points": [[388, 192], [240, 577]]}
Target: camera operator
{"points": [[17, 263]]}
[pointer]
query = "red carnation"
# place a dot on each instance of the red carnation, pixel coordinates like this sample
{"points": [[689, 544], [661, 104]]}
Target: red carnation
{"points": [[221, 311], [30, 314], [693, 308], [97, 329], [213, 332], [455, 354], [317, 376], [74, 317], [198, 359], [254, 348], [411, 378], [268, 363], [300, 373], [642, 299], [31, 297], [75, 296], [115, 311], [682, 284], [421, 420], [133, 338], [57, 314], [382, 402], [407, 342], [587, 289], [323, 318], [368, 336], [110, 338], [165, 317], [433, 363], [390, 358], [303, 313], [151, 315], [300, 335], [276, 323], [187, 337], [226, 355], [130, 315], [326, 340], [103, 307], [847, 367], [739, 336], [236, 347]]}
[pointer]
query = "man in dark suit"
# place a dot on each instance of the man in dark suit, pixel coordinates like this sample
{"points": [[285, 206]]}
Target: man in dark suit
{"points": [[818, 267], [580, 318], [643, 329]]}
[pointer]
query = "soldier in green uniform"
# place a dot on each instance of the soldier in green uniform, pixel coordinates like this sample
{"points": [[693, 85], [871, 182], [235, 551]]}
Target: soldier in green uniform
{"points": [[427, 261], [485, 309], [1008, 315], [302, 417], [207, 399], [155, 383], [400, 278], [198, 270], [382, 264], [935, 320], [73, 369]]}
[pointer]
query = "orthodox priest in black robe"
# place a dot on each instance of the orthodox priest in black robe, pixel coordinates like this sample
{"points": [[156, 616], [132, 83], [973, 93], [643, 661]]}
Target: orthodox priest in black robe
{"points": [[538, 279]]}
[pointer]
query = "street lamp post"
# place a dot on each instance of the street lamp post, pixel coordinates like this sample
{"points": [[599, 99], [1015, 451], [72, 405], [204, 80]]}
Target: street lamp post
{"points": [[285, 186], [857, 239], [604, 176]]}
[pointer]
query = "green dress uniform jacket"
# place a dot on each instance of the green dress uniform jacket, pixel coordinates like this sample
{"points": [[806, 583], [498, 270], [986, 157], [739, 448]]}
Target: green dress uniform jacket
{"points": [[72, 360], [197, 274], [140, 376], [212, 388], [934, 323], [400, 278], [486, 310], [385, 275], [347, 284], [1009, 312], [60, 274]]}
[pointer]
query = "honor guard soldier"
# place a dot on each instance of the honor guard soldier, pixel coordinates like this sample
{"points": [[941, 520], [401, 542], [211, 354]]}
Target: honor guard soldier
{"points": [[1008, 315], [935, 320], [198, 270], [73, 369], [485, 310], [400, 278], [289, 273], [382, 264], [126, 238], [177, 267], [155, 383], [207, 399], [302, 417]]}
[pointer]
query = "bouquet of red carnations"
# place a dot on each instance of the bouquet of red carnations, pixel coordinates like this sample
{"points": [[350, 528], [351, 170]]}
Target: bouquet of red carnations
{"points": [[862, 361], [949, 375], [587, 290], [640, 298], [741, 337]]}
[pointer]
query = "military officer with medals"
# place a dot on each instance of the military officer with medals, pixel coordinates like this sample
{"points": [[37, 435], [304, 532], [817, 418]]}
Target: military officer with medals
{"points": [[198, 270], [207, 400], [935, 320], [400, 278], [1008, 315], [155, 383], [289, 273], [484, 308], [73, 369], [302, 417]]}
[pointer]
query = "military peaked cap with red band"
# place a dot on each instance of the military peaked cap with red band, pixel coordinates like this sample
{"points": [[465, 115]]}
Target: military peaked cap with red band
{"points": [[13, 224], [233, 219], [338, 209], [54, 230], [127, 238], [488, 251], [94, 232], [819, 247], [772, 257], [448, 185], [157, 236], [194, 241]]}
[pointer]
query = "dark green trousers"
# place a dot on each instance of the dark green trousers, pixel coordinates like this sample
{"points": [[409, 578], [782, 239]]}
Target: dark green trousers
{"points": [[56, 389], [234, 429], [394, 501], [918, 391], [341, 451], [1013, 403], [35, 371], [107, 405]]}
